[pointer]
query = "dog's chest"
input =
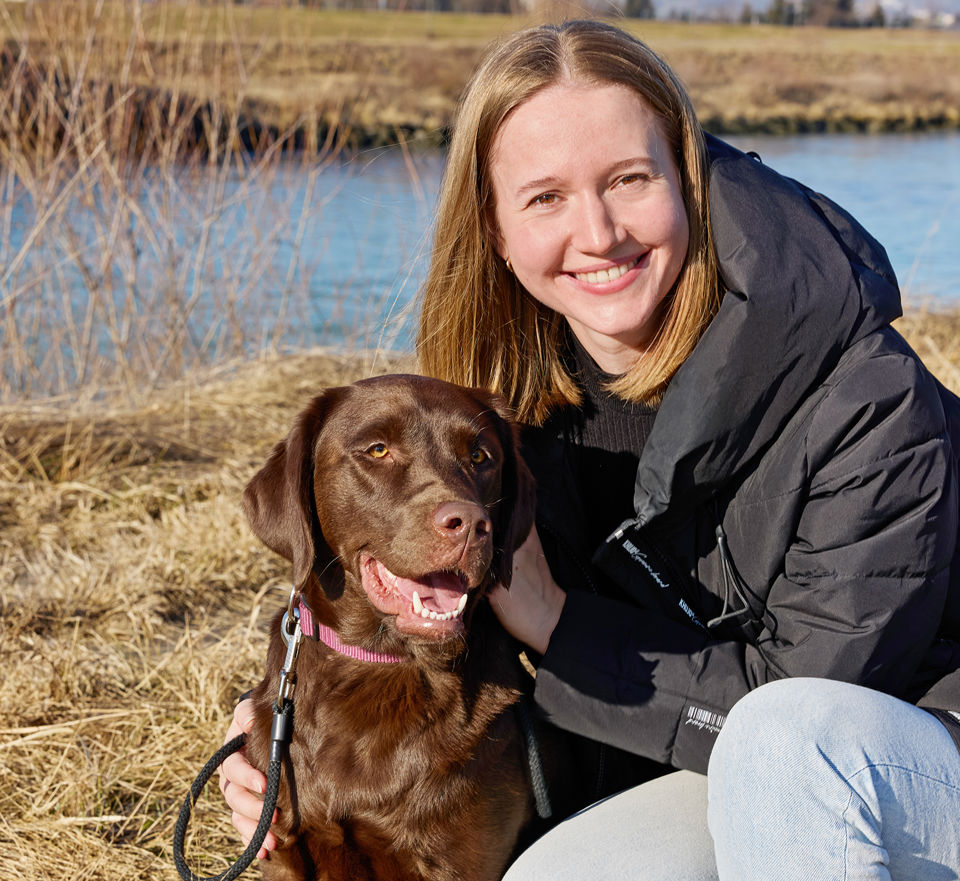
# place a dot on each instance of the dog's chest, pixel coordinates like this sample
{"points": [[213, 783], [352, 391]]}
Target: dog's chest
{"points": [[359, 747], [401, 791]]}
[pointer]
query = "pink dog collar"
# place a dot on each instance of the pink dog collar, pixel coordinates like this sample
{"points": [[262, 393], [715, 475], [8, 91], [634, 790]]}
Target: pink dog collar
{"points": [[328, 636]]}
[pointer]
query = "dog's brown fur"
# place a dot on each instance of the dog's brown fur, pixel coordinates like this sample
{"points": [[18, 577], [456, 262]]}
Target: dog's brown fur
{"points": [[412, 770]]}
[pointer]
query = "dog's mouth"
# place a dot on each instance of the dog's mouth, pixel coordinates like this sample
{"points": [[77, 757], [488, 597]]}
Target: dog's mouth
{"points": [[432, 604]]}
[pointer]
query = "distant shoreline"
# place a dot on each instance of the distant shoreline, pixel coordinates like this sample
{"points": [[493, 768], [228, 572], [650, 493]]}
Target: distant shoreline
{"points": [[318, 80]]}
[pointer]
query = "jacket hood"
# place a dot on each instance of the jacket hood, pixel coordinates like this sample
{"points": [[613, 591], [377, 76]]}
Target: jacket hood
{"points": [[803, 281]]}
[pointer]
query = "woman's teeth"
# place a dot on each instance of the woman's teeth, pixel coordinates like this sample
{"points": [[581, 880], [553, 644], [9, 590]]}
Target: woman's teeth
{"points": [[605, 275]]}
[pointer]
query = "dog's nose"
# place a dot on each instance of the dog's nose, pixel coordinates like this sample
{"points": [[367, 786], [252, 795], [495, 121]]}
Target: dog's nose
{"points": [[462, 520]]}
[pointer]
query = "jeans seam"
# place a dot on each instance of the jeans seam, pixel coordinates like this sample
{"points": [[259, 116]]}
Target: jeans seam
{"points": [[897, 767], [845, 829]]}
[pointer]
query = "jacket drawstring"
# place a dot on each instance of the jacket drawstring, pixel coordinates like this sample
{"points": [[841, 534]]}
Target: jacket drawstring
{"points": [[730, 579]]}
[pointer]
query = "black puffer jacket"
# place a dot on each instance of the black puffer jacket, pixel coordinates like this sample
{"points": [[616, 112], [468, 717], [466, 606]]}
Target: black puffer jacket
{"points": [[796, 501]]}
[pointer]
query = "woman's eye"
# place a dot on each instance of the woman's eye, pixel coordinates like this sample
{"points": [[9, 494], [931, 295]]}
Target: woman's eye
{"points": [[544, 199], [478, 457], [378, 451]]}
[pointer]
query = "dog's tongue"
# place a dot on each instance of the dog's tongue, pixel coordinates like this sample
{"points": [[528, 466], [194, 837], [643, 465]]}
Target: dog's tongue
{"points": [[439, 592]]}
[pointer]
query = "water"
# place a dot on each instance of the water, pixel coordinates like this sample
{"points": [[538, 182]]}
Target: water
{"points": [[905, 189], [194, 267]]}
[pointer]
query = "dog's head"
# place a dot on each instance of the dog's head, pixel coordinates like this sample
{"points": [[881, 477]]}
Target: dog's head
{"points": [[407, 491]]}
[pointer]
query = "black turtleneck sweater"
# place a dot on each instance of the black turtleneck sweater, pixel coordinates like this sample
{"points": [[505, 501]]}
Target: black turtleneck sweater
{"points": [[607, 435]]}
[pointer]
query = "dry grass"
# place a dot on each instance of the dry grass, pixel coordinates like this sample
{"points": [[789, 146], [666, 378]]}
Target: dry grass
{"points": [[819, 79], [134, 602]]}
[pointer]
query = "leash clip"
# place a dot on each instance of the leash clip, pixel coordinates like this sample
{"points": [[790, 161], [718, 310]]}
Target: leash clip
{"points": [[293, 638]]}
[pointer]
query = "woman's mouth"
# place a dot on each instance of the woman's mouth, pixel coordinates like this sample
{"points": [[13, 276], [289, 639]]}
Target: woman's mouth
{"points": [[604, 276]]}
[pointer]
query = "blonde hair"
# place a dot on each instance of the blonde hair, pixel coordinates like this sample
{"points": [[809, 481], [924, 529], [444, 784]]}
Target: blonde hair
{"points": [[478, 327]]}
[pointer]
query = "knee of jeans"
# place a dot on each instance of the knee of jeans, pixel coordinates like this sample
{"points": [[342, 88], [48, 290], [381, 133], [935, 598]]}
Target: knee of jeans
{"points": [[776, 722]]}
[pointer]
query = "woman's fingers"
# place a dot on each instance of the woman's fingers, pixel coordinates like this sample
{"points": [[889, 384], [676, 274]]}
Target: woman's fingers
{"points": [[236, 771], [238, 774], [246, 827], [243, 785]]}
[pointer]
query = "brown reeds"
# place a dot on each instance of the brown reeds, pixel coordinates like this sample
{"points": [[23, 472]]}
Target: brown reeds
{"points": [[141, 226], [141, 234]]}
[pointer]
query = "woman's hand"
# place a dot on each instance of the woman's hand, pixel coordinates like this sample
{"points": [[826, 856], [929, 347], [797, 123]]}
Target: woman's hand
{"points": [[240, 784], [530, 609]]}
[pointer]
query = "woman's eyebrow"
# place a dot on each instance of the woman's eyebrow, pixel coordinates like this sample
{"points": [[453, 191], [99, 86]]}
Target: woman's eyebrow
{"points": [[537, 185], [634, 161], [545, 183]]}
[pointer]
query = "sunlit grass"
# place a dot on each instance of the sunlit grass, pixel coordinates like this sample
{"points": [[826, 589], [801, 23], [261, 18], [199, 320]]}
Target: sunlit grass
{"points": [[134, 601]]}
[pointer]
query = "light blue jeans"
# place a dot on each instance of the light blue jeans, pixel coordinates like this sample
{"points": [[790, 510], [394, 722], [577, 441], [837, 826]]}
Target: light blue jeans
{"points": [[824, 781], [810, 780]]}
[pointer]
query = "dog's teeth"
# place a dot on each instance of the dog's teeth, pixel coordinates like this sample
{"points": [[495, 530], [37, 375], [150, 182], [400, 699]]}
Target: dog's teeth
{"points": [[423, 612]]}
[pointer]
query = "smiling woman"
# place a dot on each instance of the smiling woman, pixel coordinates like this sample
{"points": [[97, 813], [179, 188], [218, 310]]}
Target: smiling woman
{"points": [[747, 483], [595, 228], [522, 153]]}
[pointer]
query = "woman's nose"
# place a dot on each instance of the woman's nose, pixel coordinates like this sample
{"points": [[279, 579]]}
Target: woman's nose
{"points": [[597, 229]]}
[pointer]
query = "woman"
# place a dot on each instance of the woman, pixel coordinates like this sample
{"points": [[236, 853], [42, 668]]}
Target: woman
{"points": [[745, 476]]}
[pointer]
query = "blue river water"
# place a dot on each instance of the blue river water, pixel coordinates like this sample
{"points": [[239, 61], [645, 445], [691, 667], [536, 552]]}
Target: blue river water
{"points": [[905, 189], [199, 266]]}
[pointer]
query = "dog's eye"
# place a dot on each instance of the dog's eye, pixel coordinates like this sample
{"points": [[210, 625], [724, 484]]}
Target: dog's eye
{"points": [[378, 451], [478, 456]]}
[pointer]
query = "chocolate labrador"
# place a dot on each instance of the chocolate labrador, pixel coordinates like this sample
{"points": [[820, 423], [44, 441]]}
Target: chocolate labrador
{"points": [[399, 501]]}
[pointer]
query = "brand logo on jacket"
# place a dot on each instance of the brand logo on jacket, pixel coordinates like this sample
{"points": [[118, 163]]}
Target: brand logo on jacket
{"points": [[705, 720], [640, 557]]}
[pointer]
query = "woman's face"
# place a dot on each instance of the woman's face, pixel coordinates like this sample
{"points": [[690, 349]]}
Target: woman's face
{"points": [[590, 213]]}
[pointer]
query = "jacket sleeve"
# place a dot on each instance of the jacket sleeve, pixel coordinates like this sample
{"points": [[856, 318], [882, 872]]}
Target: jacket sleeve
{"points": [[857, 595]]}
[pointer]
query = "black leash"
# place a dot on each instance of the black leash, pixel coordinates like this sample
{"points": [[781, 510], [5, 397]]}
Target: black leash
{"points": [[280, 737], [538, 780], [282, 726]]}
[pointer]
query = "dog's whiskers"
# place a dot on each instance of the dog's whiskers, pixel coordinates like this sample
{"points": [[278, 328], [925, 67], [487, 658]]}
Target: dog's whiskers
{"points": [[336, 559]]}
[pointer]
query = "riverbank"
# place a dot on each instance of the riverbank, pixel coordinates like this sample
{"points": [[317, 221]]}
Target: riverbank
{"points": [[248, 76], [135, 600]]}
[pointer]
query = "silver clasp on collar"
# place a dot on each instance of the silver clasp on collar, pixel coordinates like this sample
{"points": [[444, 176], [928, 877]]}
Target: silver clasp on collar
{"points": [[293, 638]]}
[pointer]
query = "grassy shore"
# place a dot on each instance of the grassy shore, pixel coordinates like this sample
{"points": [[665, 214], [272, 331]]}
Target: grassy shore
{"points": [[134, 603], [133, 606], [379, 77]]}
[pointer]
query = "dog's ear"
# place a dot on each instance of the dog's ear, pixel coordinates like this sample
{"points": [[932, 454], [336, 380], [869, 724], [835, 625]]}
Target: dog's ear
{"points": [[278, 501], [518, 493]]}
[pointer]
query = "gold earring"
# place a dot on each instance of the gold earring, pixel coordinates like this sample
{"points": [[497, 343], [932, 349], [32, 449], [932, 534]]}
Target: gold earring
{"points": [[509, 264]]}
